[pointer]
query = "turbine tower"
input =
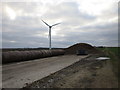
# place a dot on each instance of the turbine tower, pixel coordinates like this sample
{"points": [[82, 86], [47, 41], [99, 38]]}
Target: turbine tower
{"points": [[50, 32]]}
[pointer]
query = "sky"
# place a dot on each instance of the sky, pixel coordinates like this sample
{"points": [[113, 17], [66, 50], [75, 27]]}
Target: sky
{"points": [[81, 21]]}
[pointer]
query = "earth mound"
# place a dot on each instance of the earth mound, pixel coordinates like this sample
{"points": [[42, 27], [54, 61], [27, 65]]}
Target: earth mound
{"points": [[81, 46]]}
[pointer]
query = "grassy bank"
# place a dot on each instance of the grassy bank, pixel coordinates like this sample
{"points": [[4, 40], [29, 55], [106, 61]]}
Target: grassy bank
{"points": [[113, 52]]}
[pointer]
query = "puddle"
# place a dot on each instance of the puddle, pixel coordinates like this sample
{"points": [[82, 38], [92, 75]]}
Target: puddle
{"points": [[102, 58]]}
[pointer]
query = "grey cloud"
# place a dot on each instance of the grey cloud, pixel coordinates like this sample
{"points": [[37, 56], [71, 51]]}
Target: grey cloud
{"points": [[23, 29], [99, 34], [23, 41], [68, 11]]}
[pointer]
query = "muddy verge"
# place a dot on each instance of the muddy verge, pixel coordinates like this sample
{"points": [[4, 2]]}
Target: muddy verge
{"points": [[86, 73]]}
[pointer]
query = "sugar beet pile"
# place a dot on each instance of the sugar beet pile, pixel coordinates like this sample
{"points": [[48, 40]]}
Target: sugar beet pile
{"points": [[16, 56]]}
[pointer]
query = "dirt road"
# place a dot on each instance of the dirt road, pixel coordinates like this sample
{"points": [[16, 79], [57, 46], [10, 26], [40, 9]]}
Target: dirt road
{"points": [[86, 73], [20, 74]]}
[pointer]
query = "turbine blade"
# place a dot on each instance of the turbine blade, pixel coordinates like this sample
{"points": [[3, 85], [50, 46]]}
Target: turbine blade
{"points": [[45, 23], [55, 24]]}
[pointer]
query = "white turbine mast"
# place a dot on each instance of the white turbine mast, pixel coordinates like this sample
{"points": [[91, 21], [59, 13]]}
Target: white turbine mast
{"points": [[50, 32]]}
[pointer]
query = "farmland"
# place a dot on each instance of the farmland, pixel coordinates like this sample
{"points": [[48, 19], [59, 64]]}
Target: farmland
{"points": [[86, 73], [24, 54], [68, 71], [113, 53]]}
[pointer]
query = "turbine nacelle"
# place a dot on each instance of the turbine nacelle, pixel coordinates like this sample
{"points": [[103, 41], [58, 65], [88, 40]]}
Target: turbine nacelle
{"points": [[50, 25]]}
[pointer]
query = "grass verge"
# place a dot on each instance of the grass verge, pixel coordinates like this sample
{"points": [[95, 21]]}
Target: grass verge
{"points": [[113, 52]]}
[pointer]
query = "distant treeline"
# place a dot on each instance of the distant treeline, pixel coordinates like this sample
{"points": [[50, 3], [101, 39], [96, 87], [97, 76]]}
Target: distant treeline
{"points": [[105, 47]]}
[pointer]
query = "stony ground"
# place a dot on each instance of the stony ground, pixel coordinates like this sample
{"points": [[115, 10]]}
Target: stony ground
{"points": [[86, 73]]}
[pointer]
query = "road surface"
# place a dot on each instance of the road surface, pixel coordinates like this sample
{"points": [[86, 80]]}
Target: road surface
{"points": [[17, 75]]}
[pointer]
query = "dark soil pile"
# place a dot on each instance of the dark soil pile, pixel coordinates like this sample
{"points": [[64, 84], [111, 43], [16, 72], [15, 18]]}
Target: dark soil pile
{"points": [[87, 47]]}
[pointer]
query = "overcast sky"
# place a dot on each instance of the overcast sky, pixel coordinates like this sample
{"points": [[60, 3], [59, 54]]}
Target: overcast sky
{"points": [[82, 21]]}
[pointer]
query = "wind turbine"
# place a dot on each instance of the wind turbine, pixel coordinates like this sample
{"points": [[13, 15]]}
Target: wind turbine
{"points": [[50, 32]]}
